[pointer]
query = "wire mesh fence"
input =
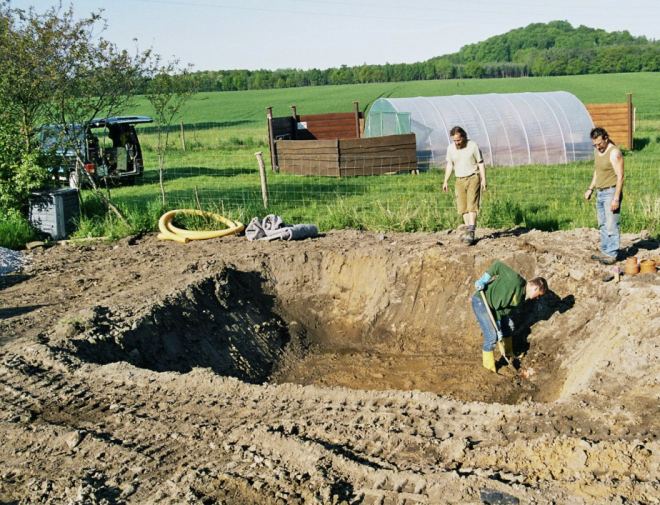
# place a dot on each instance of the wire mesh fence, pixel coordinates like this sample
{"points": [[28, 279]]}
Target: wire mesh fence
{"points": [[215, 167]]}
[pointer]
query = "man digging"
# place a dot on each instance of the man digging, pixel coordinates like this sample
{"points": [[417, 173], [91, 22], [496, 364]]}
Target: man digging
{"points": [[500, 291]]}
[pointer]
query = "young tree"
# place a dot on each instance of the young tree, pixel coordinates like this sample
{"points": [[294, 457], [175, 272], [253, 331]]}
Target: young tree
{"points": [[168, 89], [26, 83], [58, 70]]}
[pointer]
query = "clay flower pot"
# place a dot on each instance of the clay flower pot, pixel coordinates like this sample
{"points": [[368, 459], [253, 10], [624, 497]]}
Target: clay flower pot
{"points": [[631, 267], [647, 267]]}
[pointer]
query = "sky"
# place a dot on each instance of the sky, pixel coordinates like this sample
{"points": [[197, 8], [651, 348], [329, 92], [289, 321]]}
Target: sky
{"points": [[272, 34]]}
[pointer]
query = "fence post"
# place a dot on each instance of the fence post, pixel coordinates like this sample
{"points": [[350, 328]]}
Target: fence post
{"points": [[271, 142], [294, 124], [630, 120], [199, 204], [262, 177], [183, 136], [356, 106]]}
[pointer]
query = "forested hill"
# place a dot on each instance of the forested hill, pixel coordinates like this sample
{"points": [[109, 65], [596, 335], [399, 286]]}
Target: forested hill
{"points": [[540, 49], [554, 48]]}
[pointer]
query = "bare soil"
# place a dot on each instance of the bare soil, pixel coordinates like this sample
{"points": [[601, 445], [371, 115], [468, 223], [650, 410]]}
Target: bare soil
{"points": [[343, 369]]}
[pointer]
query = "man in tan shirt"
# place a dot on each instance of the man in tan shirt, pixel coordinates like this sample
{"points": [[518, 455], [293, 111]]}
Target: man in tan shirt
{"points": [[464, 158], [608, 181]]}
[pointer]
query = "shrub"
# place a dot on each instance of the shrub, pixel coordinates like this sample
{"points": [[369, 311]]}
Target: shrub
{"points": [[21, 171]]}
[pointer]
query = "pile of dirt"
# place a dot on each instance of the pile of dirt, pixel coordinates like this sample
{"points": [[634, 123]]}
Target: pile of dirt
{"points": [[340, 369]]}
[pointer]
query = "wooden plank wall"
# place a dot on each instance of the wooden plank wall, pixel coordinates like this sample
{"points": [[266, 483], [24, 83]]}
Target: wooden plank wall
{"points": [[616, 118], [348, 157], [377, 155], [337, 125], [308, 157]]}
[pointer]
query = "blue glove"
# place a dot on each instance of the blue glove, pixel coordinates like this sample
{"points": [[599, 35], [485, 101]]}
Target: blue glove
{"points": [[482, 281], [498, 330]]}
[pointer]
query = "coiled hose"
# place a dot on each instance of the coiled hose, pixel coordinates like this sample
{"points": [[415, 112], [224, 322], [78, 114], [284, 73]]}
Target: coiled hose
{"points": [[170, 232]]}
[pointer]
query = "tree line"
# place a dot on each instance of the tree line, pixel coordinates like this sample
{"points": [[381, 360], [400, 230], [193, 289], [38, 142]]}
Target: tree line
{"points": [[540, 49]]}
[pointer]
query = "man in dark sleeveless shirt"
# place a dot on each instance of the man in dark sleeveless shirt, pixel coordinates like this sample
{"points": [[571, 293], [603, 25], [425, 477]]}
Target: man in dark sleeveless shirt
{"points": [[608, 182]]}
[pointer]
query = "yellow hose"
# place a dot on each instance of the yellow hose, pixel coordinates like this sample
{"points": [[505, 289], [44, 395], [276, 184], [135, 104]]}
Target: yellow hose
{"points": [[170, 232], [166, 234]]}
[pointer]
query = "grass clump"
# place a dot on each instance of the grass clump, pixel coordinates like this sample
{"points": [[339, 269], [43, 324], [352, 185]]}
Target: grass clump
{"points": [[15, 230], [96, 221]]}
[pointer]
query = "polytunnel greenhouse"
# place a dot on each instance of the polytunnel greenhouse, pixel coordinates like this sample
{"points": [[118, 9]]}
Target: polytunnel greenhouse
{"points": [[510, 128]]}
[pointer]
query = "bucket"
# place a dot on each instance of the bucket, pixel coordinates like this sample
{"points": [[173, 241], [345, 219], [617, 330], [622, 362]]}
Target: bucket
{"points": [[631, 267], [647, 267]]}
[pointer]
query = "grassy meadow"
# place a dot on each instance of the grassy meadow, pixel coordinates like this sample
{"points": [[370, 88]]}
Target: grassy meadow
{"points": [[223, 130], [236, 108]]}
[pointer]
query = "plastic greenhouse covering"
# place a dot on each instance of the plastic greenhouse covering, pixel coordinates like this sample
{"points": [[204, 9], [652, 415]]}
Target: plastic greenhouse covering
{"points": [[510, 128]]}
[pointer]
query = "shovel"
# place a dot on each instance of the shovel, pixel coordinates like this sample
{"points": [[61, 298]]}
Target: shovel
{"points": [[500, 344]]}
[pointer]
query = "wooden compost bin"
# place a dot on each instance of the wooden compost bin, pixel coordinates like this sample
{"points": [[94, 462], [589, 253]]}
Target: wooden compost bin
{"points": [[616, 118], [330, 145], [347, 157]]}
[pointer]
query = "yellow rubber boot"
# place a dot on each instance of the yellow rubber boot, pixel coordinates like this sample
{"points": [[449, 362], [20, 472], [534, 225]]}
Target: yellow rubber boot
{"points": [[489, 361], [508, 346]]}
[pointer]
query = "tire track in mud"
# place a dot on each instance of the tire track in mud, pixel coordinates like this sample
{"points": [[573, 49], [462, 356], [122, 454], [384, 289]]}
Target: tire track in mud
{"points": [[296, 444]]}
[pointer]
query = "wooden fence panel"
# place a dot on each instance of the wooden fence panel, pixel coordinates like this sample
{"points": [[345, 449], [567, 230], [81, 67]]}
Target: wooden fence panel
{"points": [[347, 157], [386, 142], [308, 157], [337, 125], [377, 155], [616, 118], [331, 116]]}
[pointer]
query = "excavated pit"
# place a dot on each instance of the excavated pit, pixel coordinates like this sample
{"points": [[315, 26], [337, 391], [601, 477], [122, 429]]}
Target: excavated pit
{"points": [[225, 323], [88, 416], [340, 320]]}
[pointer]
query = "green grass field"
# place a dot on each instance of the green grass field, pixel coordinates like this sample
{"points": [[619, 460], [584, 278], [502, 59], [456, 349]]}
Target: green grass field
{"points": [[224, 130], [238, 107]]}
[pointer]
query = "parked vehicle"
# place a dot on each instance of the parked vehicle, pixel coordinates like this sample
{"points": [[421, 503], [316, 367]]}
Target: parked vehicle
{"points": [[105, 148]]}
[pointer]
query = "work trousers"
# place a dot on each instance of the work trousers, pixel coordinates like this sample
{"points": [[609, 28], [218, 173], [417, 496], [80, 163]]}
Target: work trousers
{"points": [[608, 222], [505, 325]]}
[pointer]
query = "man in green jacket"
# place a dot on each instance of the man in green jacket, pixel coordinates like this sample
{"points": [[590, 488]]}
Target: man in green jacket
{"points": [[505, 291]]}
